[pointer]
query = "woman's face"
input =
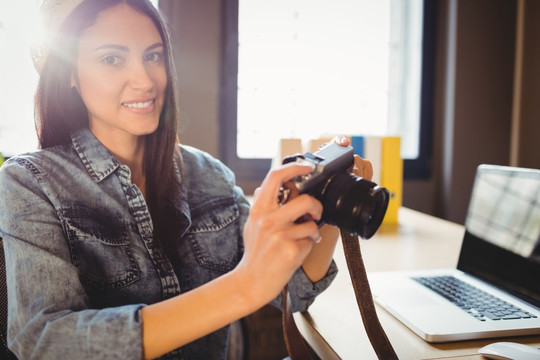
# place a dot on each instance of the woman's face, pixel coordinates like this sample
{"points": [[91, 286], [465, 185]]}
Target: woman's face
{"points": [[120, 74]]}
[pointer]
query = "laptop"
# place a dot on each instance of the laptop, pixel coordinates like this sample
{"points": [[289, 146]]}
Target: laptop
{"points": [[499, 265]]}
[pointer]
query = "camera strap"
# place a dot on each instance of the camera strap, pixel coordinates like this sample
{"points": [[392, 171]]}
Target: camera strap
{"points": [[296, 346]]}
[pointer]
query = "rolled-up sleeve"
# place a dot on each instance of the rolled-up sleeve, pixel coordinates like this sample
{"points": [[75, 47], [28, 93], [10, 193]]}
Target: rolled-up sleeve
{"points": [[303, 291], [49, 316]]}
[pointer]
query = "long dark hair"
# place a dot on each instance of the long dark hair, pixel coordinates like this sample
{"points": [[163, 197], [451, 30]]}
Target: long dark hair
{"points": [[60, 111]]}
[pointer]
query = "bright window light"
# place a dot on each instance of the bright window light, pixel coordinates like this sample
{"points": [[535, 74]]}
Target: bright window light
{"points": [[310, 68], [18, 76]]}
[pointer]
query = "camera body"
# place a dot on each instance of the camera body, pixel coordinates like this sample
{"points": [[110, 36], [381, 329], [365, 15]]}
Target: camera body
{"points": [[354, 204], [328, 160]]}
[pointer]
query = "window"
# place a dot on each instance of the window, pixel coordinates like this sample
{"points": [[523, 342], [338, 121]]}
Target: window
{"points": [[304, 69]]}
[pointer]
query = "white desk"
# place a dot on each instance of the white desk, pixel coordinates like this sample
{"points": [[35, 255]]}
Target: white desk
{"points": [[333, 325]]}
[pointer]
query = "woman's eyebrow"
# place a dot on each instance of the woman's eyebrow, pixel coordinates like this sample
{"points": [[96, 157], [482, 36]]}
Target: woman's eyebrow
{"points": [[156, 45], [125, 48], [112, 46]]}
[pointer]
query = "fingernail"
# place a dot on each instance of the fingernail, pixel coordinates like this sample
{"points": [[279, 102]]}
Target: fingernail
{"points": [[318, 239]]}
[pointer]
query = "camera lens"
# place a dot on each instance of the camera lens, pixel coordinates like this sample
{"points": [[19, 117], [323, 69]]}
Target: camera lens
{"points": [[353, 204]]}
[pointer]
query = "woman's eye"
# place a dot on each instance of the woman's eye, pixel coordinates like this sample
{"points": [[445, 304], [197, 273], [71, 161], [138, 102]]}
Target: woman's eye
{"points": [[154, 57], [111, 60]]}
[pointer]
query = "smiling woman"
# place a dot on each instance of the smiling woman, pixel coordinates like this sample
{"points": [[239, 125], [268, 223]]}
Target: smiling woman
{"points": [[122, 81]]}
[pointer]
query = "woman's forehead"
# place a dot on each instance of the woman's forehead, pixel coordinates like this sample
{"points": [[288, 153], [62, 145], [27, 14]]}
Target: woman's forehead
{"points": [[121, 24]]}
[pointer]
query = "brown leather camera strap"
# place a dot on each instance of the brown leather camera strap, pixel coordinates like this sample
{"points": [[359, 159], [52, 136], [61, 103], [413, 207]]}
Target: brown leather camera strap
{"points": [[296, 346], [357, 271]]}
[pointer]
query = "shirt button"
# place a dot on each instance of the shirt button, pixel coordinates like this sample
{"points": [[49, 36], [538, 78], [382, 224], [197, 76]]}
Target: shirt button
{"points": [[132, 193]]}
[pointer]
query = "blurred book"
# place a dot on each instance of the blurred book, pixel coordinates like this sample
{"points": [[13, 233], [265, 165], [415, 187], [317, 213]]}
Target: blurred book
{"points": [[384, 153]]}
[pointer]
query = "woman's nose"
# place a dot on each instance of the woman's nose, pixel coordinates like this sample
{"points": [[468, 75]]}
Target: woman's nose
{"points": [[140, 77]]}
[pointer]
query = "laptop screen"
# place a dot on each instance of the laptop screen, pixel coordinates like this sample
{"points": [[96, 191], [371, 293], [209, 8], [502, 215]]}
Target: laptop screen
{"points": [[502, 230]]}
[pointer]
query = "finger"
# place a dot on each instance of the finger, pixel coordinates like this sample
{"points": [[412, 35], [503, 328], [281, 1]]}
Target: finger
{"points": [[256, 193], [299, 232], [298, 239], [341, 140], [295, 251], [363, 167], [298, 207], [273, 181]]}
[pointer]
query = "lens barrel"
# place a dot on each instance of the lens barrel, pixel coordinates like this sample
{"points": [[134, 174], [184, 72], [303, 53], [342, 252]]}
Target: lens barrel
{"points": [[353, 204]]}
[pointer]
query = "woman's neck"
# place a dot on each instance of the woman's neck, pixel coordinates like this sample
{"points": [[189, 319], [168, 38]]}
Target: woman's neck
{"points": [[129, 151]]}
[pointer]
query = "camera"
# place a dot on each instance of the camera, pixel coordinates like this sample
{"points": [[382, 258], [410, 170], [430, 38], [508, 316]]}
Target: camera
{"points": [[354, 204]]}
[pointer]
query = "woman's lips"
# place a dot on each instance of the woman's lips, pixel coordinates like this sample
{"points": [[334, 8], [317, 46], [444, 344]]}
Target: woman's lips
{"points": [[140, 107]]}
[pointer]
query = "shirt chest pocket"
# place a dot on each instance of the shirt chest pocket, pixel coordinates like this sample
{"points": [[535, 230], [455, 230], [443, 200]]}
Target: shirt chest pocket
{"points": [[215, 235], [100, 249]]}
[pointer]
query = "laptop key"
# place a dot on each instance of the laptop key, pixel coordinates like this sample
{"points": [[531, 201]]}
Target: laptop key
{"points": [[524, 315], [475, 302], [511, 317], [492, 316]]}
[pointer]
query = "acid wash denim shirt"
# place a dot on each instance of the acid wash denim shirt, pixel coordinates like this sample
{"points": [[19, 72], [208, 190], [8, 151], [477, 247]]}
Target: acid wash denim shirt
{"points": [[81, 260]]}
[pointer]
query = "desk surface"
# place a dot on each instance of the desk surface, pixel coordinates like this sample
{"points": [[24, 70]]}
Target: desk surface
{"points": [[333, 325]]}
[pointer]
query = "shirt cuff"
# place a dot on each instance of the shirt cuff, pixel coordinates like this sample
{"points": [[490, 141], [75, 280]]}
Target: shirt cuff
{"points": [[303, 291]]}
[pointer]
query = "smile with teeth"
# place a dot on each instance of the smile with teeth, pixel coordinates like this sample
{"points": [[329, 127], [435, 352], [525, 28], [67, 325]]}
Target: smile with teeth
{"points": [[139, 105]]}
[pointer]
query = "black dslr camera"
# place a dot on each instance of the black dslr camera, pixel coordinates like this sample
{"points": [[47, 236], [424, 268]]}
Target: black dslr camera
{"points": [[352, 203]]}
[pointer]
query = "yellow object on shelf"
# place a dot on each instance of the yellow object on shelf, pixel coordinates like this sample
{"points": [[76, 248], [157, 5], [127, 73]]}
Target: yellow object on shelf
{"points": [[392, 176]]}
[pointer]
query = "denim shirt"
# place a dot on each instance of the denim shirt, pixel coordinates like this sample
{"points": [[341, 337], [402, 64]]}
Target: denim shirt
{"points": [[81, 259]]}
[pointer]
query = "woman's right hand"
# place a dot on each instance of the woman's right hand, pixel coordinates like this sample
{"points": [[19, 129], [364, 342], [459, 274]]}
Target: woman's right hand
{"points": [[276, 246]]}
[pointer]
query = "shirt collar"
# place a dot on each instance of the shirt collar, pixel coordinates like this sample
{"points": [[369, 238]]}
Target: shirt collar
{"points": [[100, 163], [97, 160]]}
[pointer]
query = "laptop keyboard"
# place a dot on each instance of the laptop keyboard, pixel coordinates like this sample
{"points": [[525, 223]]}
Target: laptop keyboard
{"points": [[474, 301]]}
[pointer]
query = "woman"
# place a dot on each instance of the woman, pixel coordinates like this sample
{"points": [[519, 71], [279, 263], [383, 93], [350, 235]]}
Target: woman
{"points": [[119, 242]]}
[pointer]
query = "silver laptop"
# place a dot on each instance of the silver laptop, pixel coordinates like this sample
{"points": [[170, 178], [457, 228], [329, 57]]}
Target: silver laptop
{"points": [[495, 290]]}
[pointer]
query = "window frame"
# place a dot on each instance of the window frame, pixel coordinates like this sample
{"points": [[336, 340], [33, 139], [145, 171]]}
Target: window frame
{"points": [[248, 170]]}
